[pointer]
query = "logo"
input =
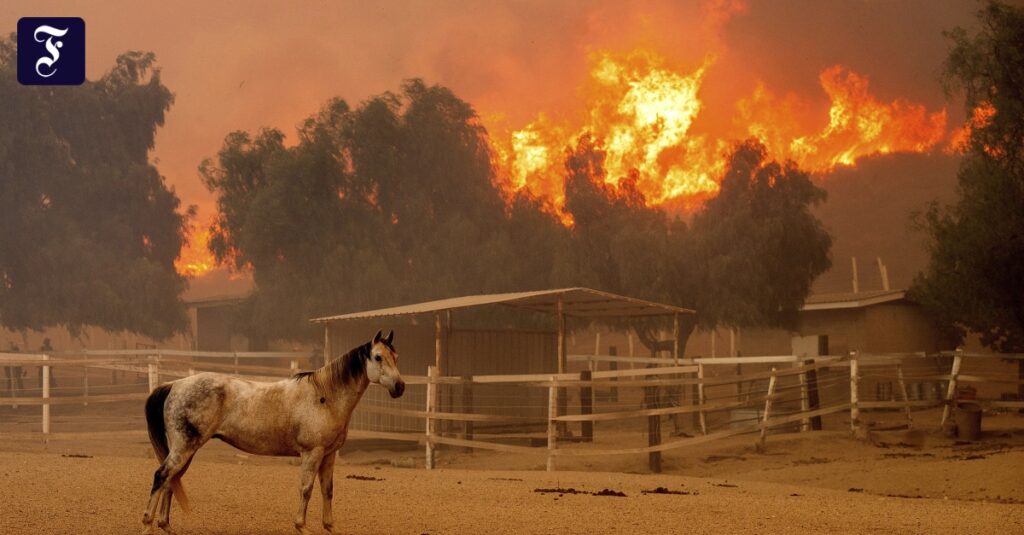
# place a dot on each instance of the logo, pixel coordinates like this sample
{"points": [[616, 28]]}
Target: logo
{"points": [[51, 51]]}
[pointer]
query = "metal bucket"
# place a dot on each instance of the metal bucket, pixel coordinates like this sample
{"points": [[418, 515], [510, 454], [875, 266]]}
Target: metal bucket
{"points": [[968, 421]]}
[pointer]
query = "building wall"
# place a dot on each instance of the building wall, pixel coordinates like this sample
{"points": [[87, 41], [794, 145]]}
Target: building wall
{"points": [[465, 352], [900, 327]]}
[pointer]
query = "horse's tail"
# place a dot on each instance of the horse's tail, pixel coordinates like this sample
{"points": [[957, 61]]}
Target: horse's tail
{"points": [[158, 437]]}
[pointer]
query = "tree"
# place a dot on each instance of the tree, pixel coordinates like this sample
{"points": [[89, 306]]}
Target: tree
{"points": [[975, 278], [392, 202], [757, 248], [90, 229], [747, 259]]}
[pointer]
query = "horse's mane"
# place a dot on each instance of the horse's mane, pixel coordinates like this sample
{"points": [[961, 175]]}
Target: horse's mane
{"points": [[339, 372]]}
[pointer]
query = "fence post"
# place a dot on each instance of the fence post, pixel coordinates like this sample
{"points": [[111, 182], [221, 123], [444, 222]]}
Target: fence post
{"points": [[903, 392], [552, 427], [467, 407], [293, 367], [153, 373], [954, 374], [431, 405], [767, 409], [85, 382], [46, 396], [587, 407], [614, 366], [854, 394], [653, 429], [805, 401], [701, 398], [236, 363]]}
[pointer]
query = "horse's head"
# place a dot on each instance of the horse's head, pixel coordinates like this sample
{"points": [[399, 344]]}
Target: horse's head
{"points": [[382, 367]]}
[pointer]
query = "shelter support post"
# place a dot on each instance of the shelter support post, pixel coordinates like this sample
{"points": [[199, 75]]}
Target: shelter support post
{"points": [[563, 400], [675, 339], [954, 376], [437, 342]]}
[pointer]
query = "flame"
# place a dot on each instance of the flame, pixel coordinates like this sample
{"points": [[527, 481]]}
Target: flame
{"points": [[981, 116], [858, 124], [195, 258], [643, 113]]}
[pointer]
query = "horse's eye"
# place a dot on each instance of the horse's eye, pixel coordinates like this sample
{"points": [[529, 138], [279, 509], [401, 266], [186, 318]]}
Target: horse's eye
{"points": [[378, 358]]}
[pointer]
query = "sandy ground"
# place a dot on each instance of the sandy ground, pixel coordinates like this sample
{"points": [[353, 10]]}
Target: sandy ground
{"points": [[827, 482]]}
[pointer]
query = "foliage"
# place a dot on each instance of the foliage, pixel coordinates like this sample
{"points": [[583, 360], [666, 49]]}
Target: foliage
{"points": [[975, 278], [392, 202], [757, 246], [90, 230]]}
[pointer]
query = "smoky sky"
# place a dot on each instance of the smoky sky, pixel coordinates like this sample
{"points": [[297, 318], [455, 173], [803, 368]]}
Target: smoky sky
{"points": [[237, 65]]}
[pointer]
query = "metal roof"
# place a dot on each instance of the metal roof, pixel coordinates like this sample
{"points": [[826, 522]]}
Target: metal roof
{"points": [[578, 302], [852, 299]]}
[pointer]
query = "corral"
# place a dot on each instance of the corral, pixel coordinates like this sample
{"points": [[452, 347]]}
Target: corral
{"points": [[776, 443]]}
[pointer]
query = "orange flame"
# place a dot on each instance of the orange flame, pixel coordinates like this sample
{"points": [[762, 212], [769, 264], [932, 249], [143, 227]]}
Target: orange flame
{"points": [[643, 113], [195, 258], [980, 117], [859, 125]]}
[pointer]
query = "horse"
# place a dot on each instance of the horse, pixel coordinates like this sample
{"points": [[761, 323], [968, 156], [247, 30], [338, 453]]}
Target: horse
{"points": [[304, 416]]}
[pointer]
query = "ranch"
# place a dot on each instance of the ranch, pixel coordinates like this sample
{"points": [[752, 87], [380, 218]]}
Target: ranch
{"points": [[564, 441]]}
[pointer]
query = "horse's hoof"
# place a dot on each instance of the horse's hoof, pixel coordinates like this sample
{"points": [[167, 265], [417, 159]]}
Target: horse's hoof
{"points": [[329, 528]]}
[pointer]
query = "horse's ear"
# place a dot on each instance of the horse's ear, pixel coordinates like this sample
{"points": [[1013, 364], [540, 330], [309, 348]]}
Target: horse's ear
{"points": [[389, 337], [377, 337]]}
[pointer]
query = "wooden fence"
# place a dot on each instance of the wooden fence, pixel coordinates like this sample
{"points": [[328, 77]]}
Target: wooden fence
{"points": [[724, 397], [789, 379], [156, 364]]}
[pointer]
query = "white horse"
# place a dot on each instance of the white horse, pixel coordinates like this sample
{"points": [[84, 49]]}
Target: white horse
{"points": [[305, 416]]}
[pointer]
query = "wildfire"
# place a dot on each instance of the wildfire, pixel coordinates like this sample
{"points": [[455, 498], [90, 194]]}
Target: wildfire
{"points": [[642, 113], [195, 259], [980, 117]]}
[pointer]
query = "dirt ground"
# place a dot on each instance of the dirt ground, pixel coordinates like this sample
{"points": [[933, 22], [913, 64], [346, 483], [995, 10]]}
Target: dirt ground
{"points": [[826, 482]]}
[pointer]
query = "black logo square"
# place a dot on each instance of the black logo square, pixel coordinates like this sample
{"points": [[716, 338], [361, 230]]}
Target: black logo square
{"points": [[51, 50]]}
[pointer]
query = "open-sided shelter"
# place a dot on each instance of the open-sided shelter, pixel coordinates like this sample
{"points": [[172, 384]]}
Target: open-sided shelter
{"points": [[427, 334]]}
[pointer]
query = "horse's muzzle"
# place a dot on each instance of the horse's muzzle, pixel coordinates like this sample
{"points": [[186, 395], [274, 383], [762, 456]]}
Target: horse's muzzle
{"points": [[397, 390]]}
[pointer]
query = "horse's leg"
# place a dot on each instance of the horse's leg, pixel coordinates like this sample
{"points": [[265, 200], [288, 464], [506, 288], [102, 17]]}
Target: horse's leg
{"points": [[177, 460], [164, 512], [327, 489], [310, 465]]}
